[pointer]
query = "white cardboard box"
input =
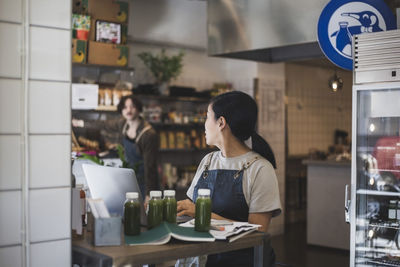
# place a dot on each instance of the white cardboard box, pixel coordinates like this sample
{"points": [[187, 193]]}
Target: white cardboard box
{"points": [[84, 96]]}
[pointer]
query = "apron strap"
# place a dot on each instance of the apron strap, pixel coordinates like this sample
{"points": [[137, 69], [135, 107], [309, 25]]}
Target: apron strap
{"points": [[205, 172], [145, 129], [246, 166]]}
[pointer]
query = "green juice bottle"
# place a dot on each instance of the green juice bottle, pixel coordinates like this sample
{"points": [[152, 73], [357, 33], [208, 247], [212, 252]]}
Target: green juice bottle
{"points": [[132, 214], [203, 211], [169, 206], [155, 215]]}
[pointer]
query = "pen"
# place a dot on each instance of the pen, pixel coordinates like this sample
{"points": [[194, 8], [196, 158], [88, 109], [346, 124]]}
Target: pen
{"points": [[217, 228]]}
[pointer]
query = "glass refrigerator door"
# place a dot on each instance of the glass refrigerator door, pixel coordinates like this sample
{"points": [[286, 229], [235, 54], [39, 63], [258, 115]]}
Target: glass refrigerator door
{"points": [[377, 173]]}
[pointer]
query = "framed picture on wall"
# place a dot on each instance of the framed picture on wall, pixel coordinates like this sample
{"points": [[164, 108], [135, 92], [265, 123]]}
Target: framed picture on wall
{"points": [[108, 32]]}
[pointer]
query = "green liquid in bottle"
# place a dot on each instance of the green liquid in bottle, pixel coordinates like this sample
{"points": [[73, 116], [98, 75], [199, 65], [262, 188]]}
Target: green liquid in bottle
{"points": [[170, 210], [203, 214], [132, 217], [155, 215]]}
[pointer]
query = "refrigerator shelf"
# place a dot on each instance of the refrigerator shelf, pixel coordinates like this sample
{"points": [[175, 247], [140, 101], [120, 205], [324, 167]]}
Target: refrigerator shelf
{"points": [[377, 193], [393, 251], [386, 225]]}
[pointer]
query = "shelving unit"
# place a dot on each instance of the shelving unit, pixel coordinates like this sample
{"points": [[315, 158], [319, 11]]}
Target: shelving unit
{"points": [[178, 158]]}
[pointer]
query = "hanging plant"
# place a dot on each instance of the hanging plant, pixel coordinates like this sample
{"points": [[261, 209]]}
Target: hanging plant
{"points": [[163, 67]]}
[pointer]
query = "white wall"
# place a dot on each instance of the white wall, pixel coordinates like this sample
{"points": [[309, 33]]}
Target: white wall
{"points": [[169, 21], [35, 71], [199, 70]]}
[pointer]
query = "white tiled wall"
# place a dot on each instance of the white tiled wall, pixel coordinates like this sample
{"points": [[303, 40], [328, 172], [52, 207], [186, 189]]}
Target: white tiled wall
{"points": [[50, 58], [11, 256], [10, 226], [314, 112], [43, 144], [11, 10], [55, 254], [57, 13], [45, 96], [49, 169], [10, 50], [49, 218], [10, 108], [10, 162]]}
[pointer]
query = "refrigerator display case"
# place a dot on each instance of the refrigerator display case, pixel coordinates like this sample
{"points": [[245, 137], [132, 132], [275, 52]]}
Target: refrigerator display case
{"points": [[375, 190]]}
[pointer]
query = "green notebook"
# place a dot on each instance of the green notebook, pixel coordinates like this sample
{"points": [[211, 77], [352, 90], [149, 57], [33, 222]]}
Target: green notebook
{"points": [[163, 233]]}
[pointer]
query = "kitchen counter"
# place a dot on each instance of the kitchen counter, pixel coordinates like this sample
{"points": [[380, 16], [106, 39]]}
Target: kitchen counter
{"points": [[326, 181]]}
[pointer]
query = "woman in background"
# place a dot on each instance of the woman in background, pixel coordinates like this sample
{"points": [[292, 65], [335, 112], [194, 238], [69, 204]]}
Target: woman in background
{"points": [[139, 139], [242, 181]]}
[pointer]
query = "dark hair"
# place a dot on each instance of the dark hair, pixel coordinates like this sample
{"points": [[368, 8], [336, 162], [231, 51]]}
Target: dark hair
{"points": [[136, 102], [240, 112]]}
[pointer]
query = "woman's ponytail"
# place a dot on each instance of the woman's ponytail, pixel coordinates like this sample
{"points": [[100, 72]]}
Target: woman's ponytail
{"points": [[261, 146]]}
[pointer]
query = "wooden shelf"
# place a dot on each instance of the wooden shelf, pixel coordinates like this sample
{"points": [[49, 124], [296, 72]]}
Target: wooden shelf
{"points": [[174, 98], [102, 66]]}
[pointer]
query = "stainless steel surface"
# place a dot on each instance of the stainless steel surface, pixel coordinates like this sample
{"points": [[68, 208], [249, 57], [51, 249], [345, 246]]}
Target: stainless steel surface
{"points": [[347, 203], [264, 30], [377, 57]]}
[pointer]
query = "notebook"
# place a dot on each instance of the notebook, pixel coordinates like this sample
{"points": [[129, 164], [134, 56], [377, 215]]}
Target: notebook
{"points": [[163, 233], [111, 185]]}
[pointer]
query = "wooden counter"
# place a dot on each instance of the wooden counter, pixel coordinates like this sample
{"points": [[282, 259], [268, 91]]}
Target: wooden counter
{"points": [[85, 254]]}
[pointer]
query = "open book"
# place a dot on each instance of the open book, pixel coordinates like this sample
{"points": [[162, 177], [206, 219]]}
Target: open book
{"points": [[163, 233], [227, 230]]}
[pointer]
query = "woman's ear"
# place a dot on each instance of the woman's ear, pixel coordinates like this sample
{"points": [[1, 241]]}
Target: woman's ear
{"points": [[221, 122]]}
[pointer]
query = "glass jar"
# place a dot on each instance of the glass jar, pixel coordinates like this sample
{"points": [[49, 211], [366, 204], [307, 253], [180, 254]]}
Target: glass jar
{"points": [[392, 210], [155, 214], [203, 211], [169, 206], [132, 214], [82, 196]]}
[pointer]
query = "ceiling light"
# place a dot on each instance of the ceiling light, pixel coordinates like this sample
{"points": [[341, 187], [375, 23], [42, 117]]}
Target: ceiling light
{"points": [[335, 83]]}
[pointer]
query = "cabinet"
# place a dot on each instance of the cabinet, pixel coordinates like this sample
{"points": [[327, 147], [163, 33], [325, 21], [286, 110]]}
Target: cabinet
{"points": [[375, 172], [376, 226]]}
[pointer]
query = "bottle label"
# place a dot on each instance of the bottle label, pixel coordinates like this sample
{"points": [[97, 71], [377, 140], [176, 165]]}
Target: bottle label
{"points": [[392, 214], [83, 206]]}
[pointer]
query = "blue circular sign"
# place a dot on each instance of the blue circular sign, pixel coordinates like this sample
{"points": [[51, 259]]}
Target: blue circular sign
{"points": [[341, 19]]}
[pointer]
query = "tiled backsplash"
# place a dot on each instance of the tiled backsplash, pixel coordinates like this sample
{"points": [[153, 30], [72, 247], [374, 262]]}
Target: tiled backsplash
{"points": [[314, 111], [35, 133]]}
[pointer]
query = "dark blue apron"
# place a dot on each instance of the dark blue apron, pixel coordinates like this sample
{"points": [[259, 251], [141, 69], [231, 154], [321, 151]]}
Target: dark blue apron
{"points": [[227, 201], [135, 160]]}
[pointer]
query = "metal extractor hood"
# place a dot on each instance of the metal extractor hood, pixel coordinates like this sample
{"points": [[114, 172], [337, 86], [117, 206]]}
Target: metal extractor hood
{"points": [[264, 30]]}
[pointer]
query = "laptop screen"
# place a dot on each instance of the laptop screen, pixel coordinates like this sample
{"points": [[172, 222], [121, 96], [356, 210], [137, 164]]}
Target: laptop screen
{"points": [[111, 185]]}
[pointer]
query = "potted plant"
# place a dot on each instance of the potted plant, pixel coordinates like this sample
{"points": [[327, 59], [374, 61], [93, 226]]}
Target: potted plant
{"points": [[163, 67]]}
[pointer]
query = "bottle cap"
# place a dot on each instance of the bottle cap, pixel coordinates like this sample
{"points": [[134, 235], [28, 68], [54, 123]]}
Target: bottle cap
{"points": [[204, 192], [155, 193], [169, 193], [79, 186], [132, 195]]}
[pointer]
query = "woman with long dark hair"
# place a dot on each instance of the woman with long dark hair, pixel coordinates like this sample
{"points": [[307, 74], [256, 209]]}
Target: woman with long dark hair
{"points": [[242, 181]]}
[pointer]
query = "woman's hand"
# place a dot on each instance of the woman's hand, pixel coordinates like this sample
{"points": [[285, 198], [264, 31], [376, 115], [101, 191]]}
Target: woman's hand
{"points": [[186, 207], [146, 202]]}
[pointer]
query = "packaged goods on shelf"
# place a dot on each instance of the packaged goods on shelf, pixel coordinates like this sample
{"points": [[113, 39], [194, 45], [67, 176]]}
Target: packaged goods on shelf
{"points": [[84, 96], [163, 140], [115, 11], [171, 140], [80, 26], [79, 51], [108, 54], [180, 140]]}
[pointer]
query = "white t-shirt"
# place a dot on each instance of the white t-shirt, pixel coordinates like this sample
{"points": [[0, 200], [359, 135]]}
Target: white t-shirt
{"points": [[260, 186]]}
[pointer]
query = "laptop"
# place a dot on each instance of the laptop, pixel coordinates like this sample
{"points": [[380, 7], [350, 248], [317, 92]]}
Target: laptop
{"points": [[111, 185]]}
